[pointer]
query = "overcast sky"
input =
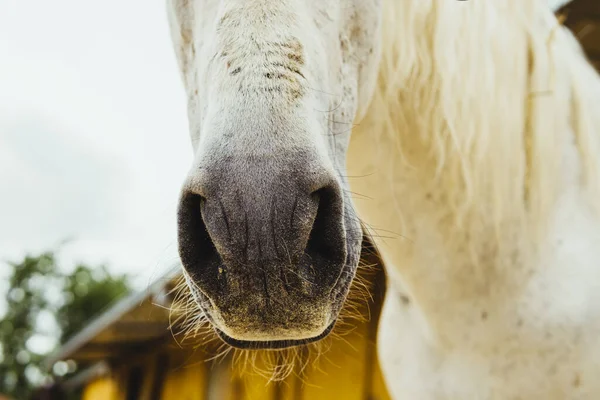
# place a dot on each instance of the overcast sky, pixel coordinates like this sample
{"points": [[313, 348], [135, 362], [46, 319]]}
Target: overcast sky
{"points": [[93, 133]]}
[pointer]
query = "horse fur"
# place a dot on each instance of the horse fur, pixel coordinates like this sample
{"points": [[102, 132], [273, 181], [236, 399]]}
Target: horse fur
{"points": [[478, 160], [480, 155]]}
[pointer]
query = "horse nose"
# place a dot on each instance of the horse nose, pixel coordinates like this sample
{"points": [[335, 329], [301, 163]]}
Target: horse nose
{"points": [[248, 229]]}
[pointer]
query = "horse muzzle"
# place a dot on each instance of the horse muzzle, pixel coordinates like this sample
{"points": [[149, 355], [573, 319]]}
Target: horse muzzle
{"points": [[264, 248]]}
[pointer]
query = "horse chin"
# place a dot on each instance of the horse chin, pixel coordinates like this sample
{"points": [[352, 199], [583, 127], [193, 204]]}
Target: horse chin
{"points": [[253, 331], [272, 344], [274, 337]]}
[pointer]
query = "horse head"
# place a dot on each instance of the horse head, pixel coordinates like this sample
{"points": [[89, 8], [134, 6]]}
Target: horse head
{"points": [[267, 233]]}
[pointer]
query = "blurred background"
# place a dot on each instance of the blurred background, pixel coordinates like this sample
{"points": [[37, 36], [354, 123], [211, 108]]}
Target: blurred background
{"points": [[93, 150]]}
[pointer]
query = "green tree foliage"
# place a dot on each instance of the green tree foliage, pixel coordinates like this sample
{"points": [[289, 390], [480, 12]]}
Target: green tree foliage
{"points": [[86, 293], [45, 303], [25, 301]]}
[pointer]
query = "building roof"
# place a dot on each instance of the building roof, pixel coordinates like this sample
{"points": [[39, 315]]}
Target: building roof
{"points": [[138, 319]]}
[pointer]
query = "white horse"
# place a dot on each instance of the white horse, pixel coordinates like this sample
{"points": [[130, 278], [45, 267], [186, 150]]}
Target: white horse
{"points": [[477, 145]]}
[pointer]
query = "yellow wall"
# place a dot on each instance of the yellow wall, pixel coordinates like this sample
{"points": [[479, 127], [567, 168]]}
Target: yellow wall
{"points": [[348, 370], [185, 383], [102, 388]]}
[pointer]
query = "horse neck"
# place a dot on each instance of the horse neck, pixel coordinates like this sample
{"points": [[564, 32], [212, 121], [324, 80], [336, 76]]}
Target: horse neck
{"points": [[469, 146]]}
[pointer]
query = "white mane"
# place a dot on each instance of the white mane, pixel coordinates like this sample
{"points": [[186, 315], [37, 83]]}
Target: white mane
{"points": [[484, 184], [492, 92]]}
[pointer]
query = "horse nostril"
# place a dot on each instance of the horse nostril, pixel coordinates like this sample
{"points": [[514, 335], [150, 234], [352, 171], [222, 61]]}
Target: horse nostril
{"points": [[235, 242], [326, 243], [196, 248]]}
